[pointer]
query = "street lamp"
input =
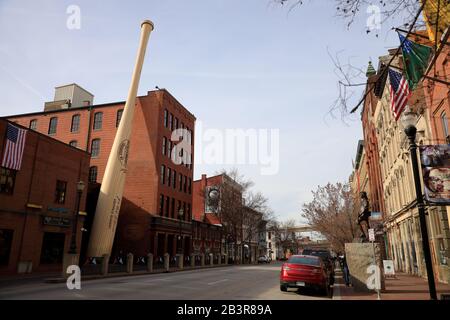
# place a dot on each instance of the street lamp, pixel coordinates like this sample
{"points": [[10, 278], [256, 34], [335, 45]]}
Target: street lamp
{"points": [[409, 120], [180, 216], [73, 242]]}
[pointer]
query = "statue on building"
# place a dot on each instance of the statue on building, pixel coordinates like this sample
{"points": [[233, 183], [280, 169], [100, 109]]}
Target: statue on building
{"points": [[363, 216]]}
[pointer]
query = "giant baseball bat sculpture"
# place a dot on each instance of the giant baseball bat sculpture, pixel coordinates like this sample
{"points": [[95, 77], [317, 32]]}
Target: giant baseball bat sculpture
{"points": [[111, 191]]}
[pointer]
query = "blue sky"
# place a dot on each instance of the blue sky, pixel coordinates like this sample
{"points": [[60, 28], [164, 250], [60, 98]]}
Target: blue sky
{"points": [[233, 63]]}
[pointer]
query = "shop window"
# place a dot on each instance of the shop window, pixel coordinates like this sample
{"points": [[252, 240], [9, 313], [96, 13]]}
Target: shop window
{"points": [[60, 193], [7, 180], [52, 248], [6, 237]]}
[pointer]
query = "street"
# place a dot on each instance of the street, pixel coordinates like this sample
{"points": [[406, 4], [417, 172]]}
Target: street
{"points": [[254, 282]]}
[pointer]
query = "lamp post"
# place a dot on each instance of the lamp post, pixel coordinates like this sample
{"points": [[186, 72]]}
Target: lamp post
{"points": [[180, 217], [409, 120], [73, 242]]}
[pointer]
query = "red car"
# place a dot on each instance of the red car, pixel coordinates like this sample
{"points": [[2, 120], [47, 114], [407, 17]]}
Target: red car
{"points": [[304, 271]]}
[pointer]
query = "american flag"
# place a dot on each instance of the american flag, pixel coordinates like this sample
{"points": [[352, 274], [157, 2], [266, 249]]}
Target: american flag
{"points": [[15, 144], [400, 92]]}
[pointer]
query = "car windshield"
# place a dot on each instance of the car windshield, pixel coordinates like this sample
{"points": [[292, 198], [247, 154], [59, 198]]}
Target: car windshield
{"points": [[322, 254], [305, 260]]}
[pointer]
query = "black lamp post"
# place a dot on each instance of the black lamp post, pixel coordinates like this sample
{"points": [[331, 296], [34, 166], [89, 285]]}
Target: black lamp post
{"points": [[73, 242], [180, 217], [409, 120]]}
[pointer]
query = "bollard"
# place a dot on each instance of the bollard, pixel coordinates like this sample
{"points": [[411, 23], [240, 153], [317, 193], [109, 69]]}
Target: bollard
{"points": [[219, 259], [226, 258], [166, 262], [192, 260], [211, 259], [150, 262], [130, 259], [105, 264], [180, 258], [203, 259]]}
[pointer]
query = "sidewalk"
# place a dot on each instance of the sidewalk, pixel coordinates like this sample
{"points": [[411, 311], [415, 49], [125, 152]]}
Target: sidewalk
{"points": [[403, 287]]}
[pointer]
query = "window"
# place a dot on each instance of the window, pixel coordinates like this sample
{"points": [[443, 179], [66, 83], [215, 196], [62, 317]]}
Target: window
{"points": [[60, 193], [190, 186], [93, 174], [6, 237], [7, 180], [161, 205], [188, 212], [167, 206], [444, 123], [174, 179], [180, 182], [166, 115], [176, 123], [73, 143], [52, 248], [75, 127], [163, 174], [169, 151], [169, 177], [185, 184], [119, 117], [173, 208], [171, 121], [164, 146], [178, 209], [33, 124], [98, 120], [184, 211], [52, 126], [95, 148]]}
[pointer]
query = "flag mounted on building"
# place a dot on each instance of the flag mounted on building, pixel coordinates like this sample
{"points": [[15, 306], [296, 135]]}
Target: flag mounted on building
{"points": [[415, 60], [400, 92], [14, 146]]}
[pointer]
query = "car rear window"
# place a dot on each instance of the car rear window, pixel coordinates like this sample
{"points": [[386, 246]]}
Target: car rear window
{"points": [[305, 260]]}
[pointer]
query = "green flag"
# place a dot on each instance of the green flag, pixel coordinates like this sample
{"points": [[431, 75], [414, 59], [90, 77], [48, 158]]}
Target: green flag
{"points": [[415, 60]]}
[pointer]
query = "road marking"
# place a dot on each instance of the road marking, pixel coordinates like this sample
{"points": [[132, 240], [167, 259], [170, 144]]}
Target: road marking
{"points": [[216, 282]]}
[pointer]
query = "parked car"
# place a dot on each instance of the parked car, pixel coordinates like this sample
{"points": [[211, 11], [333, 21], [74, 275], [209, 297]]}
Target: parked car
{"points": [[302, 271], [263, 259], [327, 259]]}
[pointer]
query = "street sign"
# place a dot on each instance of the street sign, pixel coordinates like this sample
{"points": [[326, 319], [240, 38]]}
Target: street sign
{"points": [[372, 235], [389, 270]]}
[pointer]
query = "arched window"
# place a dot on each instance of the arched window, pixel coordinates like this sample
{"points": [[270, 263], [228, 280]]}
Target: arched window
{"points": [[444, 124], [33, 124], [75, 127], [73, 143], [93, 174], [52, 125], [95, 148]]}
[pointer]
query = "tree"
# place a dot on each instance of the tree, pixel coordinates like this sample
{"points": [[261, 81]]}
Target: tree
{"points": [[284, 238], [332, 213]]}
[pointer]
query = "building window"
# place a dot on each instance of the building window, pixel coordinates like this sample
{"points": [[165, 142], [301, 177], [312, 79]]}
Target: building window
{"points": [[163, 174], [6, 237], [188, 212], [73, 143], [167, 206], [119, 117], [75, 127], [178, 209], [171, 121], [164, 146], [7, 180], [444, 123], [184, 211], [180, 181], [93, 174], [169, 177], [33, 124], [60, 193], [95, 148], [161, 205], [52, 126], [52, 248], [174, 179], [176, 123], [172, 211], [98, 120], [190, 186], [169, 150], [166, 115], [185, 184]]}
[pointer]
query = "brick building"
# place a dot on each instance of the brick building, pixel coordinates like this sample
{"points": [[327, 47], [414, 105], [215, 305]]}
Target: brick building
{"points": [[156, 188], [37, 204]]}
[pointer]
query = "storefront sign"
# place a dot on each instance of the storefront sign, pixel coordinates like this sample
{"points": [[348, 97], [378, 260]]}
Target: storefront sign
{"points": [[389, 269], [56, 221], [436, 172], [58, 210]]}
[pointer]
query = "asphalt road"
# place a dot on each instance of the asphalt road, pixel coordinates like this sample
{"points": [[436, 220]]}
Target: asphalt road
{"points": [[256, 282]]}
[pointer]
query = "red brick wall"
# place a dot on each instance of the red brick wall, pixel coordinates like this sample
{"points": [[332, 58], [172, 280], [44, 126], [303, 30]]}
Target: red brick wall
{"points": [[45, 160]]}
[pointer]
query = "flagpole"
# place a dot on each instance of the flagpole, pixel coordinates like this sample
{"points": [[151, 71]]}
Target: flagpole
{"points": [[111, 191]]}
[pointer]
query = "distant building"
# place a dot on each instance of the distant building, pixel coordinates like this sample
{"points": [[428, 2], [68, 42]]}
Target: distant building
{"points": [[38, 203]]}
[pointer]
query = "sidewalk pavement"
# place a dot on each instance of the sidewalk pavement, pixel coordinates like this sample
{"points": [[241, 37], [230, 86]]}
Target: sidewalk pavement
{"points": [[402, 287]]}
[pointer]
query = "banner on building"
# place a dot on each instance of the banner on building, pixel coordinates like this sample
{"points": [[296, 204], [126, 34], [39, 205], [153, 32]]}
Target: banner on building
{"points": [[436, 172]]}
